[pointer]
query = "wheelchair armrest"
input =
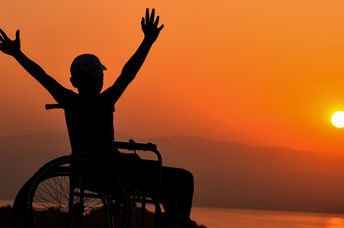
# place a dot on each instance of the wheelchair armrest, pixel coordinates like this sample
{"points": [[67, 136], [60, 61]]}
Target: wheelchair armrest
{"points": [[131, 145]]}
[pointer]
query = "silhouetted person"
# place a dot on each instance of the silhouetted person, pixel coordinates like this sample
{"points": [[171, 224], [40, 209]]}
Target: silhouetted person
{"points": [[89, 115]]}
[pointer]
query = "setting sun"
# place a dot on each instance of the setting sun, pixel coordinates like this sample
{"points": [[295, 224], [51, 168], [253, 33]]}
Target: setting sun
{"points": [[337, 119]]}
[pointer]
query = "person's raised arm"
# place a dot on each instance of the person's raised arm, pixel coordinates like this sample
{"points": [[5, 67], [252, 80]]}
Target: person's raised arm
{"points": [[151, 32], [12, 48]]}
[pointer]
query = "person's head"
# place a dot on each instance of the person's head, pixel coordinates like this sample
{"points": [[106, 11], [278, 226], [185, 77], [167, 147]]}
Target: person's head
{"points": [[87, 74]]}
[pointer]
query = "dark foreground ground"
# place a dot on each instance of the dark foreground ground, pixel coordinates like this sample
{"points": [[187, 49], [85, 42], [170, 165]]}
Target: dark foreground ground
{"points": [[5, 218]]}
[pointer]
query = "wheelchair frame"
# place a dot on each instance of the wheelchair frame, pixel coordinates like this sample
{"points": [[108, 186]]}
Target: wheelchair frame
{"points": [[22, 208]]}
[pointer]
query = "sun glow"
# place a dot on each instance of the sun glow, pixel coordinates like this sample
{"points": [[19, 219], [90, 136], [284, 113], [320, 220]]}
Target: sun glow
{"points": [[337, 119]]}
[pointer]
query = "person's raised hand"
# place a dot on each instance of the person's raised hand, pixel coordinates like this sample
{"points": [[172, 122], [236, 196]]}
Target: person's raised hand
{"points": [[8, 46], [150, 26]]}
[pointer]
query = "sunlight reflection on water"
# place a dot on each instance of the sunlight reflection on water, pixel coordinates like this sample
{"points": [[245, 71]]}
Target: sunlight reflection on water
{"points": [[335, 222], [224, 218]]}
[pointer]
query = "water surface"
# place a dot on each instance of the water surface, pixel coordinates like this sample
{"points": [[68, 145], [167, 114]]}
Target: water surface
{"points": [[235, 218], [232, 218]]}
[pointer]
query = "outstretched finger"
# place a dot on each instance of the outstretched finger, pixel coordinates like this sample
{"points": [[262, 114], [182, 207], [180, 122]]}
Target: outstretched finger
{"points": [[142, 22], [161, 27], [17, 35], [152, 16], [147, 16], [156, 21], [4, 35]]}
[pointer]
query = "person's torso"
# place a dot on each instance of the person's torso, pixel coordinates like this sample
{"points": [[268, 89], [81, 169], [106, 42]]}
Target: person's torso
{"points": [[90, 125]]}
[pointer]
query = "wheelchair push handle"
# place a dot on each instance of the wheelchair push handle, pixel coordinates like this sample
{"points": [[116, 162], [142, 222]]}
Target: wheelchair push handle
{"points": [[52, 106]]}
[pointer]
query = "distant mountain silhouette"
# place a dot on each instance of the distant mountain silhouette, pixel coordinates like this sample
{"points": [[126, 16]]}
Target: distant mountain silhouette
{"points": [[227, 174]]}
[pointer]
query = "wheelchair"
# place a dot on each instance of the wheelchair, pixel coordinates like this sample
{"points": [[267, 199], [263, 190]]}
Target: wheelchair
{"points": [[75, 191]]}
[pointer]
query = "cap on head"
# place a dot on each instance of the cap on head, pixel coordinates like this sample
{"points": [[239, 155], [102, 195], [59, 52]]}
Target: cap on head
{"points": [[89, 63]]}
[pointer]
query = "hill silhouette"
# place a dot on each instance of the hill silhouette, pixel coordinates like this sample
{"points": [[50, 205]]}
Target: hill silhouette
{"points": [[227, 174]]}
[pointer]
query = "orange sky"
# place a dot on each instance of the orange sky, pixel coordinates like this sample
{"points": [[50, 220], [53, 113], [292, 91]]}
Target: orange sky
{"points": [[262, 72]]}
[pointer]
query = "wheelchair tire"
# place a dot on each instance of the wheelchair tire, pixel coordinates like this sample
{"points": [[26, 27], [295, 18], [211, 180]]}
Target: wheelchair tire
{"points": [[76, 192]]}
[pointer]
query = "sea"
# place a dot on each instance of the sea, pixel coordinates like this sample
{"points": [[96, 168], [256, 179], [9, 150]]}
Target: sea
{"points": [[238, 218]]}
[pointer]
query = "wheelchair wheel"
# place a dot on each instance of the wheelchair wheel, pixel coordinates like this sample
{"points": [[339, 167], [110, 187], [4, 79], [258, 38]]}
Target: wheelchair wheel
{"points": [[76, 192]]}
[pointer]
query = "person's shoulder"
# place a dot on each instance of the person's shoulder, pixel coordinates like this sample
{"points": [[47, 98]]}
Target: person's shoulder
{"points": [[110, 94], [67, 97], [107, 90], [68, 93], [107, 93]]}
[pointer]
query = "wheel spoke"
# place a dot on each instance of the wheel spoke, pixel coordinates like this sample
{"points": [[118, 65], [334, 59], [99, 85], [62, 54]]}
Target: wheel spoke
{"points": [[49, 198]]}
